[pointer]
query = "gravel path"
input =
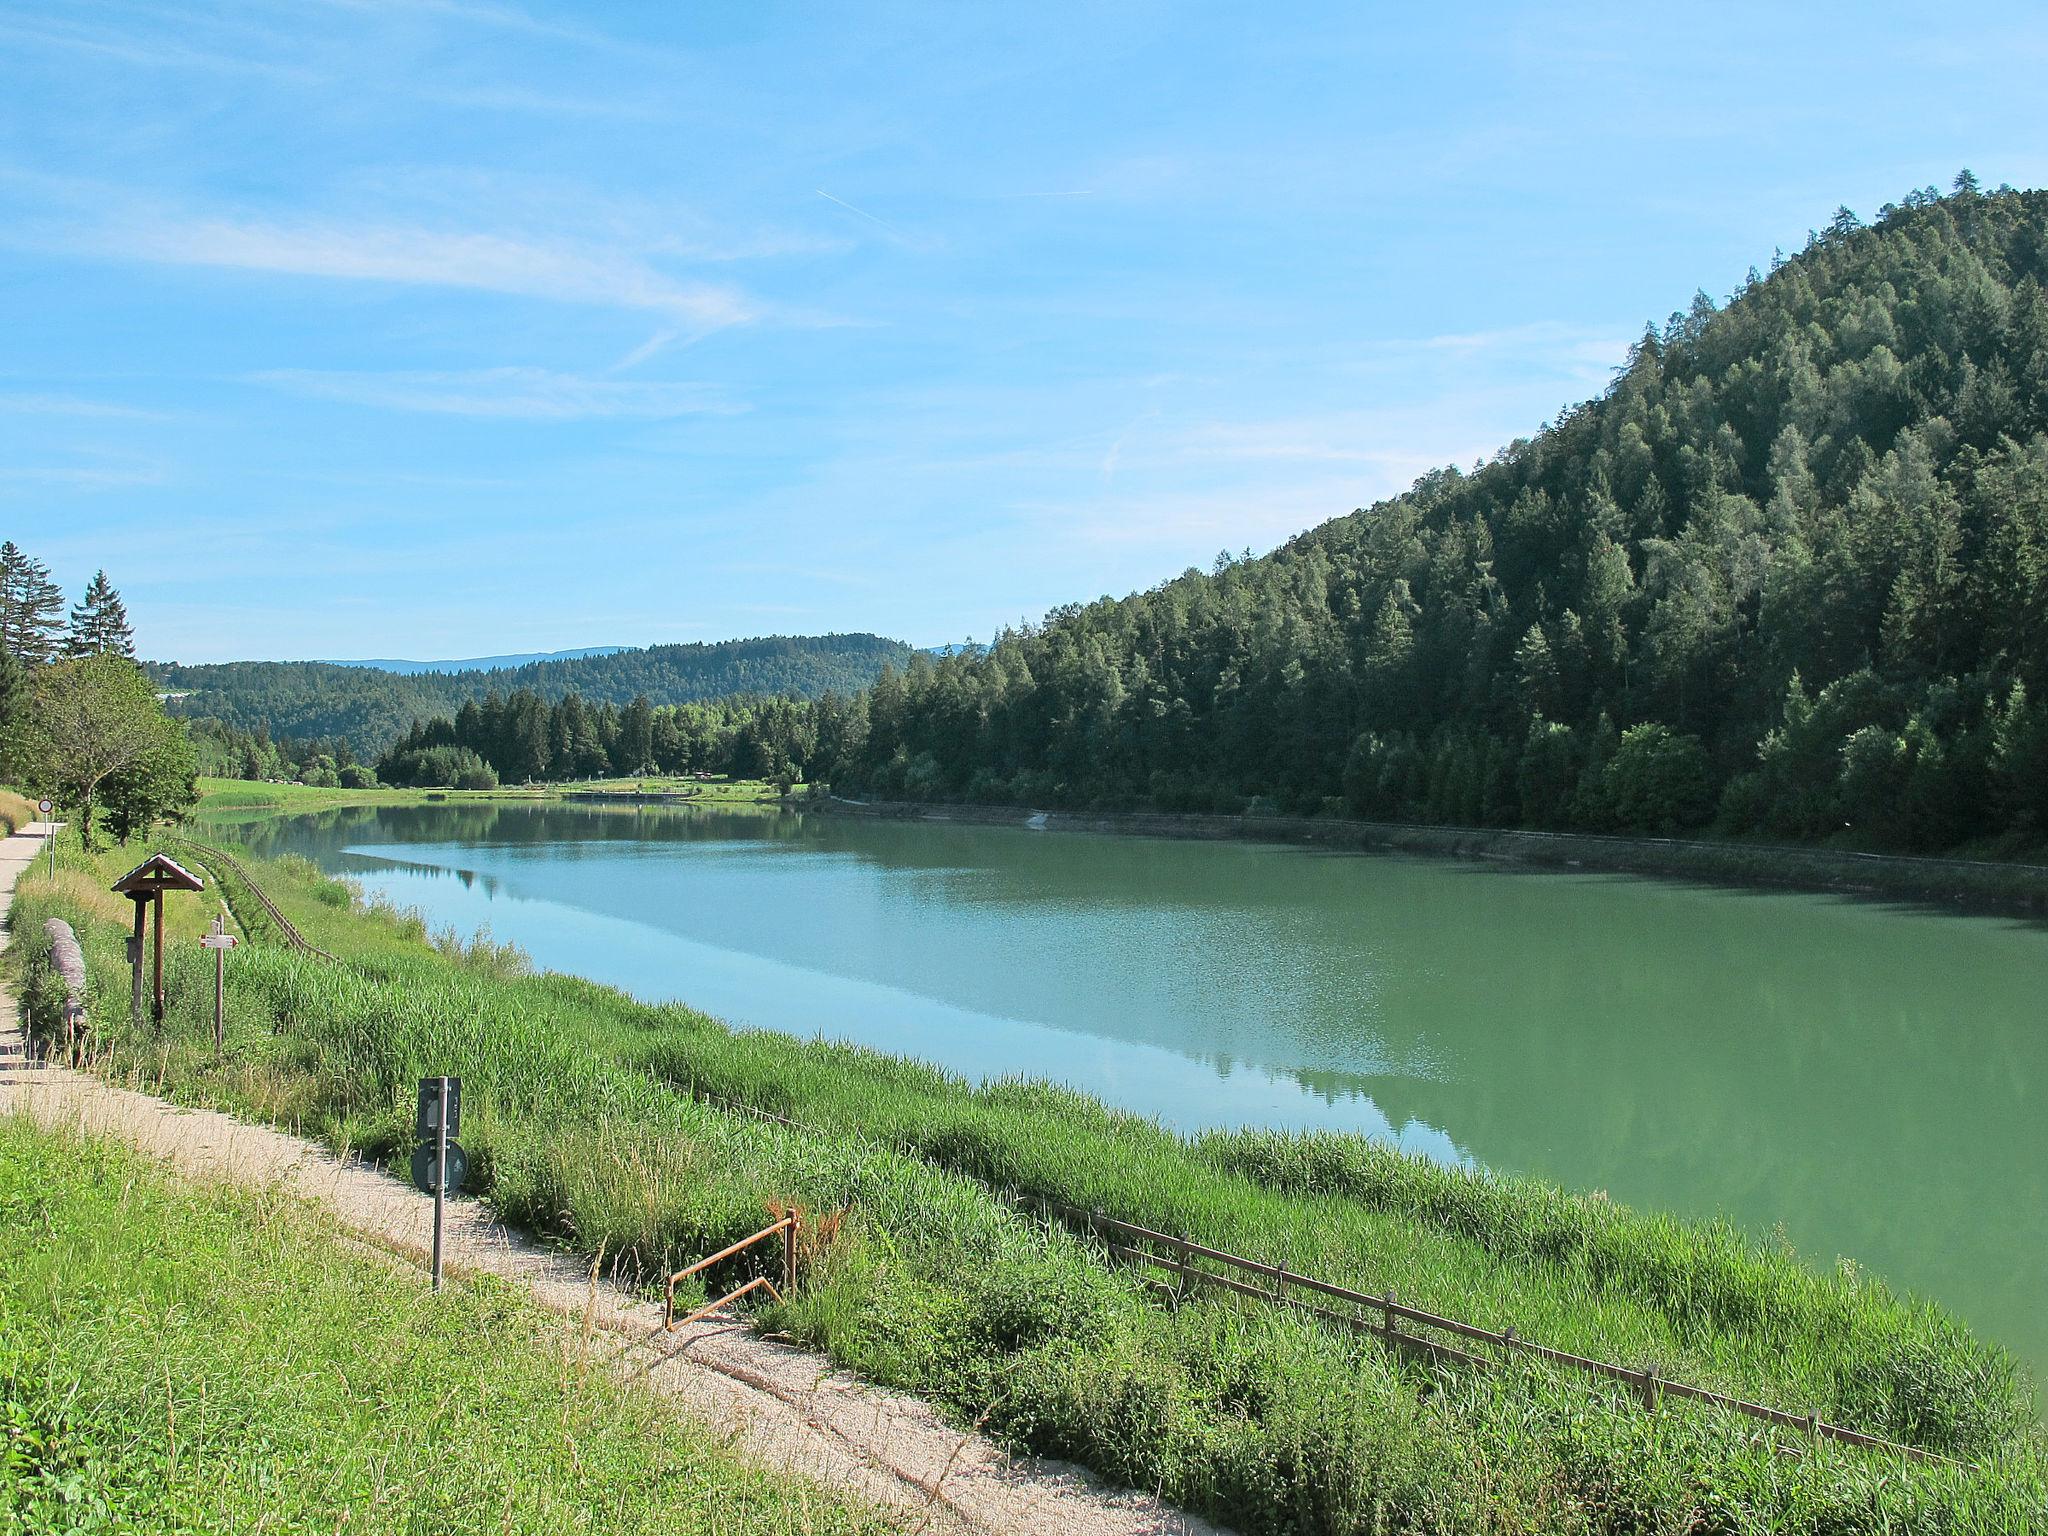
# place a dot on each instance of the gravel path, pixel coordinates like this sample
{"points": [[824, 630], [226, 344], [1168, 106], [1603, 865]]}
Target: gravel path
{"points": [[783, 1407]]}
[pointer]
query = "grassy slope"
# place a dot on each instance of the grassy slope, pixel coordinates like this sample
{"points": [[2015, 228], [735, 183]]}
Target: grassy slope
{"points": [[176, 1359], [581, 1124]]}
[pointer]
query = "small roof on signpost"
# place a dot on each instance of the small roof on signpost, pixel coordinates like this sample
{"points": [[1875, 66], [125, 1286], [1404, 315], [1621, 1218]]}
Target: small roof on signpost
{"points": [[158, 872]]}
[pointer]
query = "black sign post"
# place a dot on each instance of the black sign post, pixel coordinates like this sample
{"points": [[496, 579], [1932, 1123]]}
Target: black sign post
{"points": [[439, 1160]]}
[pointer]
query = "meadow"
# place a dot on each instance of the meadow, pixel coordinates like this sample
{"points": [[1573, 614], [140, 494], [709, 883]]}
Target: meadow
{"points": [[584, 1122], [177, 1359]]}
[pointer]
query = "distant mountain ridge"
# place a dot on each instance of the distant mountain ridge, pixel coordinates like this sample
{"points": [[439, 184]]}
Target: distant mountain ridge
{"points": [[479, 663], [370, 707]]}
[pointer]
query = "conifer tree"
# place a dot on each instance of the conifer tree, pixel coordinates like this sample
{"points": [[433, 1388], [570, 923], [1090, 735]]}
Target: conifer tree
{"points": [[31, 607], [99, 623]]}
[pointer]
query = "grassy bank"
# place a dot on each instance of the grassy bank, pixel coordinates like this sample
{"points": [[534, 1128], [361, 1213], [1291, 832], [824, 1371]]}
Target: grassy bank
{"points": [[230, 799], [178, 1359], [582, 1123]]}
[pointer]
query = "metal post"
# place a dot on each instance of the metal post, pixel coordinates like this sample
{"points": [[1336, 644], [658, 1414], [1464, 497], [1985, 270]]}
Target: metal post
{"points": [[440, 1177]]}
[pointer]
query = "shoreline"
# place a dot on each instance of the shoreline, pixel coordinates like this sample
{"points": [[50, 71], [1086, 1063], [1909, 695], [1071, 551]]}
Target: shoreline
{"points": [[1974, 885]]}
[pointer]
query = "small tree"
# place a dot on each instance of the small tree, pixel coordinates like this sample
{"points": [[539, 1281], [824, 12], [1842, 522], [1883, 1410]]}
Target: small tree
{"points": [[1658, 781], [31, 606], [161, 785], [88, 720], [99, 623]]}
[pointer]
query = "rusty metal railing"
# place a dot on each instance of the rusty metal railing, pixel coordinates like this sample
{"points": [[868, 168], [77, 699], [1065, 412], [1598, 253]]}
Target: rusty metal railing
{"points": [[786, 1226], [1181, 1256]]}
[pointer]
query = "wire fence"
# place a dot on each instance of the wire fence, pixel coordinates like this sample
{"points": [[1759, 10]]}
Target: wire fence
{"points": [[1379, 1317]]}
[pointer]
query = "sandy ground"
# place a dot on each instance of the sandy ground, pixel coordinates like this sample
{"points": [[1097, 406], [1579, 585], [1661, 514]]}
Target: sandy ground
{"points": [[784, 1407]]}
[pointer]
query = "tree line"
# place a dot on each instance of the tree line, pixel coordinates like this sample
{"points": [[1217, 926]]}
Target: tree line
{"points": [[79, 721], [1789, 573], [367, 708], [522, 738]]}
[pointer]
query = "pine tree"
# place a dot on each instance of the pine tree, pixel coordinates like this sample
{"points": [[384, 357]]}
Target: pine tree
{"points": [[99, 623], [31, 607]]}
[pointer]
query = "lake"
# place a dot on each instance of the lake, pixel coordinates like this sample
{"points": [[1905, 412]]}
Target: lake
{"points": [[1864, 1079]]}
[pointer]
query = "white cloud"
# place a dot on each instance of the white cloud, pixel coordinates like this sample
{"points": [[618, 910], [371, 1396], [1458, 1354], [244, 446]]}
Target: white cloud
{"points": [[525, 394], [71, 405], [560, 271]]}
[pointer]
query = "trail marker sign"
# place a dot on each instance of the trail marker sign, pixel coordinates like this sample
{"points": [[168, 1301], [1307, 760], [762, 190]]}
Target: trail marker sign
{"points": [[423, 1159], [438, 1163], [220, 941], [427, 1125]]}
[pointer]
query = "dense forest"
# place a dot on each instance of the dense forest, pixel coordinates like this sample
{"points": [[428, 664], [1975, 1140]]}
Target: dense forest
{"points": [[1790, 571], [1789, 575], [520, 737], [359, 710]]}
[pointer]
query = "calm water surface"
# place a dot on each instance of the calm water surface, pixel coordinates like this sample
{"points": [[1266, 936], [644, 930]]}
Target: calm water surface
{"points": [[1867, 1079]]}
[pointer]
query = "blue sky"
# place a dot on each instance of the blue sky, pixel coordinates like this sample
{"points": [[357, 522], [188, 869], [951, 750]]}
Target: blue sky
{"points": [[446, 327]]}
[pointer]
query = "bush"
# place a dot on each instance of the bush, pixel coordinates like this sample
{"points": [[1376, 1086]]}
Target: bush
{"points": [[356, 776], [1659, 781]]}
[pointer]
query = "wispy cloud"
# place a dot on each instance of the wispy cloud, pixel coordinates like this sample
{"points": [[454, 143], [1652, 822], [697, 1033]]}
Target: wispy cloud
{"points": [[152, 52], [85, 477], [654, 344], [71, 405], [524, 394], [1569, 347], [559, 271]]}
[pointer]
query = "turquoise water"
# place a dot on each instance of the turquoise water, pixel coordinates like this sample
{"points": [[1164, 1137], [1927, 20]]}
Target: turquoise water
{"points": [[1866, 1079]]}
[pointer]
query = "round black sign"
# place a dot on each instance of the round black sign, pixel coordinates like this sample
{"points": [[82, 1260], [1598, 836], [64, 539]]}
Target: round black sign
{"points": [[423, 1167]]}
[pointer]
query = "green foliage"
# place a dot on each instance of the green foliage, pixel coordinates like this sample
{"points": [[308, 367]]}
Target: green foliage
{"points": [[1840, 475], [31, 607], [583, 1126], [1657, 781], [369, 709], [99, 623], [176, 1360], [94, 735]]}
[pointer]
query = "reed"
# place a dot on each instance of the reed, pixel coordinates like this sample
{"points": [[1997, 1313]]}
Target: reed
{"points": [[583, 1122]]}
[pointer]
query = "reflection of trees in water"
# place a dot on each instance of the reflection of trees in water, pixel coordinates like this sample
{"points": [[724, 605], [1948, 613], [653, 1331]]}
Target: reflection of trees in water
{"points": [[316, 833]]}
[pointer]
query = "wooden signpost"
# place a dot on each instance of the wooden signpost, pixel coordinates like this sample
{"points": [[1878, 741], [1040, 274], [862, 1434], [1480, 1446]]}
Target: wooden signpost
{"points": [[220, 941], [145, 885]]}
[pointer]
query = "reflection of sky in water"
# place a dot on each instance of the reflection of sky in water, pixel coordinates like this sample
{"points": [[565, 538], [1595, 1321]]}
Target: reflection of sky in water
{"points": [[1795, 1063], [1189, 1092]]}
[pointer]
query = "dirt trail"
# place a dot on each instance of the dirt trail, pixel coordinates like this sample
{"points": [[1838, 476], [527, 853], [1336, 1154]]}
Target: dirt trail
{"points": [[783, 1407]]}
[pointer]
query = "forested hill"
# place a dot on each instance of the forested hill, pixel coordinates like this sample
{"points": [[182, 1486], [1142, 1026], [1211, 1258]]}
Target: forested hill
{"points": [[369, 708], [1791, 570]]}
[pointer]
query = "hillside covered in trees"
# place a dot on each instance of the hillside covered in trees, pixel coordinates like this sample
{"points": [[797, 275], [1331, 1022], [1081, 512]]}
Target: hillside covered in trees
{"points": [[1790, 572], [363, 710]]}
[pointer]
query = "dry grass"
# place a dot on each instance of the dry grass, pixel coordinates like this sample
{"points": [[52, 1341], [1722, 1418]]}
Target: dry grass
{"points": [[17, 811]]}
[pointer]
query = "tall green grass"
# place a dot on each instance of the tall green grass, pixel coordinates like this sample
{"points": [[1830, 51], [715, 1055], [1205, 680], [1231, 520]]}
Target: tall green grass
{"points": [[176, 1359], [581, 1121]]}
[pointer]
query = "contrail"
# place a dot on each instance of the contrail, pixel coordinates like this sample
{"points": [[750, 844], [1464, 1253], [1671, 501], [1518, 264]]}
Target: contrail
{"points": [[842, 202]]}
